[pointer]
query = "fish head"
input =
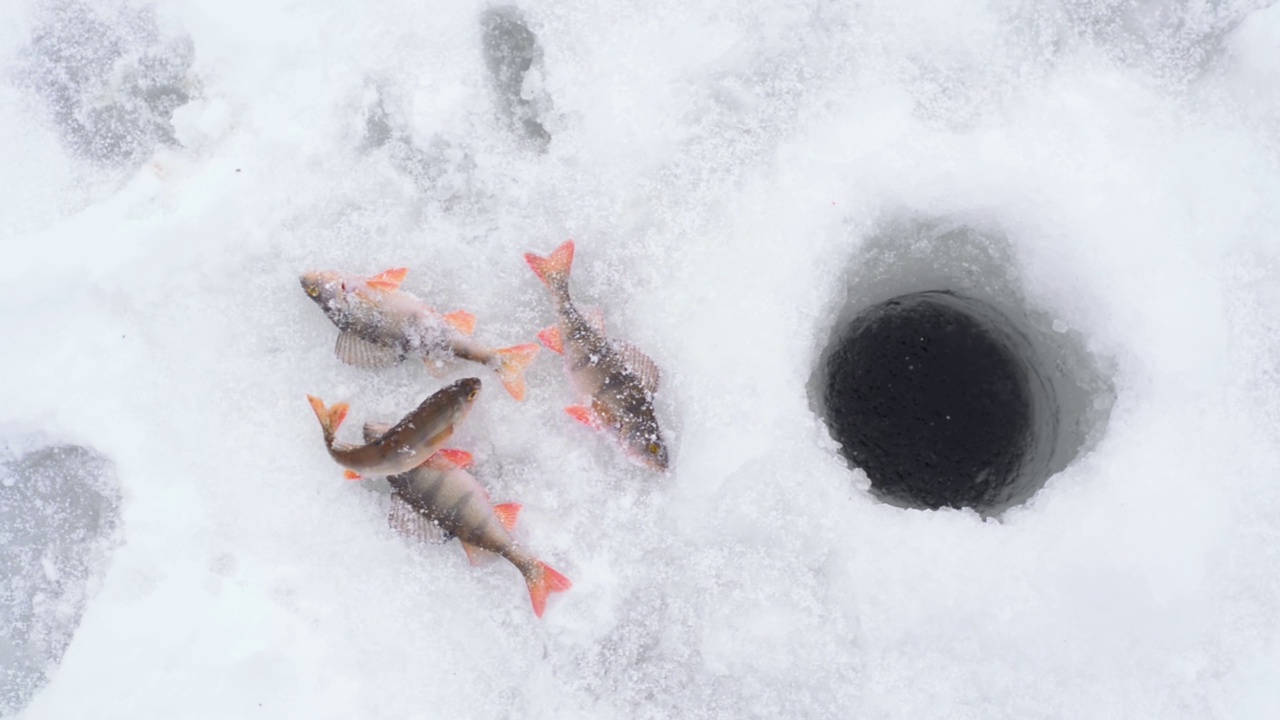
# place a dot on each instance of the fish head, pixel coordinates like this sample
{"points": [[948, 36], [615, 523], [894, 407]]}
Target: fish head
{"points": [[642, 441], [330, 290], [459, 397]]}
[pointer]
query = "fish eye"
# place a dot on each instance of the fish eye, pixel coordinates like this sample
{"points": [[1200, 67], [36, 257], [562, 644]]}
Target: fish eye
{"points": [[312, 290], [654, 448]]}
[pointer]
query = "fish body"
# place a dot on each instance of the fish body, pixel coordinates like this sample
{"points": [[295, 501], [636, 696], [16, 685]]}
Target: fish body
{"points": [[380, 325], [443, 492], [616, 380], [406, 444]]}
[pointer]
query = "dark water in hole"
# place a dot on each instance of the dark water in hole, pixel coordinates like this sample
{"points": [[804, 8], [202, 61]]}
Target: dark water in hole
{"points": [[935, 397], [943, 383]]}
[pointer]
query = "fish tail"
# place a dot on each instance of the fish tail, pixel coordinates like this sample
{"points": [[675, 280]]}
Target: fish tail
{"points": [[511, 364], [330, 418], [542, 582], [554, 269]]}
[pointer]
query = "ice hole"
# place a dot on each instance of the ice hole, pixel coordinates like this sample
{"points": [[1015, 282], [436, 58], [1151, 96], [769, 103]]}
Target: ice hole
{"points": [[943, 385]]}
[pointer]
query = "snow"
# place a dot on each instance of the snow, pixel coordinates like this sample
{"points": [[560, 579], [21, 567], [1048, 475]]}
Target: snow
{"points": [[720, 167]]}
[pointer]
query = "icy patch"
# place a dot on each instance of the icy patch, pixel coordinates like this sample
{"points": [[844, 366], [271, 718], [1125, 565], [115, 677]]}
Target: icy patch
{"points": [[109, 77], [59, 508], [514, 59]]}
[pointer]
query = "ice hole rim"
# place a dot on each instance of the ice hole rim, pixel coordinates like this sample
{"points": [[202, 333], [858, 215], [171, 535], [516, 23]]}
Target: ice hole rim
{"points": [[972, 262]]}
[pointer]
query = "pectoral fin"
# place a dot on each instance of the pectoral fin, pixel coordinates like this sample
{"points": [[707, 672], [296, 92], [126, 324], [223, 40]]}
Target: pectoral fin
{"points": [[354, 350]]}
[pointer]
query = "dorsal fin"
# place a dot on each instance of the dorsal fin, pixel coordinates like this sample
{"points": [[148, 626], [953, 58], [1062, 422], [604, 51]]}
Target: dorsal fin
{"points": [[641, 365], [406, 520], [388, 280], [375, 430]]}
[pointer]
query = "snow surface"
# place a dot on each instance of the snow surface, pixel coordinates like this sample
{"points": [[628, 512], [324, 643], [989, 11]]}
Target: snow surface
{"points": [[720, 165]]}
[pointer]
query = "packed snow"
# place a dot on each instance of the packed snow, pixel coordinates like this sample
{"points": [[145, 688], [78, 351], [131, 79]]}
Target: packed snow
{"points": [[170, 169]]}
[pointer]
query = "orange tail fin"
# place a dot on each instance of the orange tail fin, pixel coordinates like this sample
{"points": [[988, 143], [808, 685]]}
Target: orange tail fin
{"points": [[554, 269], [542, 582], [512, 362], [330, 418]]}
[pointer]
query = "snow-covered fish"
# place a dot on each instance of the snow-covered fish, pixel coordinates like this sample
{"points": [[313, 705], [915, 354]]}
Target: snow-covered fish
{"points": [[616, 380], [409, 442], [445, 494], [380, 325]]}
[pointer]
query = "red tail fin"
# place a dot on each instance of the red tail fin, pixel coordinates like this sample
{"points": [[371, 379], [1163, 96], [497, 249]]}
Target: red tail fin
{"points": [[542, 582], [554, 269], [330, 418], [512, 362]]}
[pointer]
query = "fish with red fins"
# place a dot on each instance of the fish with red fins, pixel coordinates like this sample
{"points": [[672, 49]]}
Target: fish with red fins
{"points": [[615, 380], [442, 492], [408, 443], [380, 325]]}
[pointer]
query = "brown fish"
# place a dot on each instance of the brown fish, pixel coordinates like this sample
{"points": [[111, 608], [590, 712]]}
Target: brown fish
{"points": [[380, 325], [409, 442], [445, 494], [616, 380]]}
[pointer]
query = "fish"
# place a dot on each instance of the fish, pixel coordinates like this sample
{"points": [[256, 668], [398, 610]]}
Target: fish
{"points": [[380, 325], [442, 491], [406, 444], [613, 378]]}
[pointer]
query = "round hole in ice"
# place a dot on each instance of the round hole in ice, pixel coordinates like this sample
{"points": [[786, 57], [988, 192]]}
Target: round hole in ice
{"points": [[943, 385]]}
